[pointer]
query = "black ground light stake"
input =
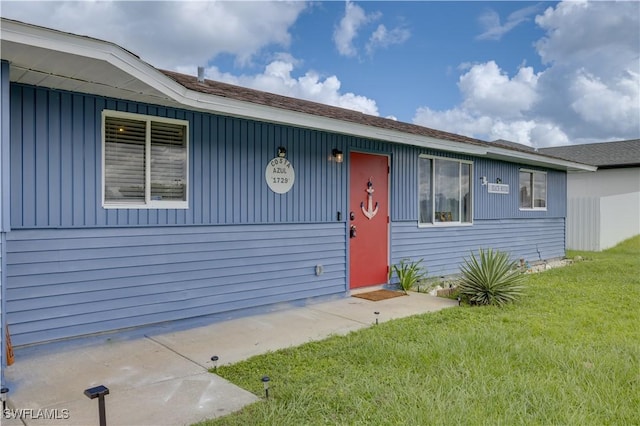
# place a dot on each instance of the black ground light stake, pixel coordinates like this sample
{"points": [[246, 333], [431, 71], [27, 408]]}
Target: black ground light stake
{"points": [[215, 359], [99, 392], [265, 381], [3, 395], [377, 314]]}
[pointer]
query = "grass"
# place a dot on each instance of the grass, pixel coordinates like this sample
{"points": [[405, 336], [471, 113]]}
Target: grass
{"points": [[568, 353]]}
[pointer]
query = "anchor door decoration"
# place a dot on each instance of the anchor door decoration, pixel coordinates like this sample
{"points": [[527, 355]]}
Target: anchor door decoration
{"points": [[368, 219], [369, 212]]}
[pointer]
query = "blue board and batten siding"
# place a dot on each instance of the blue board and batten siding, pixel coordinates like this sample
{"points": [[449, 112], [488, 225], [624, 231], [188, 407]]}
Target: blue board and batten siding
{"points": [[498, 222], [56, 172], [75, 268]]}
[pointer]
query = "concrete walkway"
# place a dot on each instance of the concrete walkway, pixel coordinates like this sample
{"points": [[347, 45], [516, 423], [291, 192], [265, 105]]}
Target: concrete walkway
{"points": [[159, 376]]}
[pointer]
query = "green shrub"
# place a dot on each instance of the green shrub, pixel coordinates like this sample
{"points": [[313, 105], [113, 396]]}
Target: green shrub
{"points": [[490, 279], [409, 273]]}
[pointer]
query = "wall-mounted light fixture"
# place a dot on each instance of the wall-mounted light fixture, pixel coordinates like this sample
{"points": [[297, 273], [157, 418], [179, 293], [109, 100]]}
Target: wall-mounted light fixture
{"points": [[483, 180], [282, 151], [498, 180], [337, 155]]}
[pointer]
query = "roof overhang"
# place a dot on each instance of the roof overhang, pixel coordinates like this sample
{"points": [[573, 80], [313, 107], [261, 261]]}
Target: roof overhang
{"points": [[536, 160], [49, 58]]}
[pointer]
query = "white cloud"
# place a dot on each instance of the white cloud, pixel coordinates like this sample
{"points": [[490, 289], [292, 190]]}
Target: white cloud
{"points": [[533, 133], [614, 106], [383, 38], [489, 90], [354, 21], [597, 35], [344, 34], [494, 29], [194, 32], [589, 92], [456, 120], [545, 134], [277, 78]]}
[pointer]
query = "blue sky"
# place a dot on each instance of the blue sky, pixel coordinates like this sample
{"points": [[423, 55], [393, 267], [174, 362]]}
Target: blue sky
{"points": [[538, 73], [422, 64]]}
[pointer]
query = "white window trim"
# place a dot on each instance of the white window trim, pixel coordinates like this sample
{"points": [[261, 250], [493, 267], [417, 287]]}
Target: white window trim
{"points": [[148, 203], [433, 200], [546, 198]]}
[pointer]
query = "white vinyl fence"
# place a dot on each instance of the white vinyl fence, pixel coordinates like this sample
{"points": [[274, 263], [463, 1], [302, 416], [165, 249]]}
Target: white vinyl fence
{"points": [[598, 223]]}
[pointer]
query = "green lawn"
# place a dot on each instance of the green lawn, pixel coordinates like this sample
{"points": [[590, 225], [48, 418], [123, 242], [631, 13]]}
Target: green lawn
{"points": [[567, 354]]}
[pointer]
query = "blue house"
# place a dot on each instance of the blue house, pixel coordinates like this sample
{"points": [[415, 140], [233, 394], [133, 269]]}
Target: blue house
{"points": [[131, 195]]}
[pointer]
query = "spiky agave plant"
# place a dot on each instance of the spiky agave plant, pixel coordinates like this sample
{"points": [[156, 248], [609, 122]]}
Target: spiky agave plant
{"points": [[409, 273], [490, 279]]}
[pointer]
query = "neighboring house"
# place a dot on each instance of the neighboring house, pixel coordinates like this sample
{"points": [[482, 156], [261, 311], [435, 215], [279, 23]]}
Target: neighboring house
{"points": [[132, 196], [603, 207]]}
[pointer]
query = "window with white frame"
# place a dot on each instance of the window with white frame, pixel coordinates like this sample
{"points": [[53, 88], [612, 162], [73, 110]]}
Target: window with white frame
{"points": [[533, 190], [144, 161], [444, 191]]}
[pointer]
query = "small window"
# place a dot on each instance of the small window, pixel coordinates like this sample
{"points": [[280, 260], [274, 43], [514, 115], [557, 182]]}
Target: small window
{"points": [[533, 190], [444, 188], [144, 161]]}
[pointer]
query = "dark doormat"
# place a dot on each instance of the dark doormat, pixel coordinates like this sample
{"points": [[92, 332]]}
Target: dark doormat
{"points": [[379, 295]]}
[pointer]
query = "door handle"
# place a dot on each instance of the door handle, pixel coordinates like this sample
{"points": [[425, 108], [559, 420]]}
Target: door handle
{"points": [[352, 216], [352, 231]]}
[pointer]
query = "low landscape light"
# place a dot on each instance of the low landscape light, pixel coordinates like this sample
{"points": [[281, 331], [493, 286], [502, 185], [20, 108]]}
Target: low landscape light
{"points": [[215, 359], [265, 382], [3, 395]]}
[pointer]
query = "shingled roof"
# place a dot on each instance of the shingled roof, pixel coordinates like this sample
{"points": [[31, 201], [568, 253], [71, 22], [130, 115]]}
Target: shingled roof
{"points": [[239, 93], [513, 145], [605, 155]]}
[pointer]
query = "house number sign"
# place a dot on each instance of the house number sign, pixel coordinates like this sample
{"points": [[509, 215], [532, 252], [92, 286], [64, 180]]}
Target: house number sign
{"points": [[497, 188], [280, 175]]}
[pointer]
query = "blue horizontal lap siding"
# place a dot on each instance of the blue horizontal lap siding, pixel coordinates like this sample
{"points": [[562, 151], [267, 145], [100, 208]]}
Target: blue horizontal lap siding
{"points": [[444, 248], [87, 281]]}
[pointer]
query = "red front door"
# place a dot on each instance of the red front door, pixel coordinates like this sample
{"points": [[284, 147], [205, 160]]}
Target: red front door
{"points": [[368, 219]]}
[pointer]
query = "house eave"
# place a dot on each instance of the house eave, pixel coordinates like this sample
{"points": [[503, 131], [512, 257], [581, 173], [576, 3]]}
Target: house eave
{"points": [[538, 160], [49, 58]]}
